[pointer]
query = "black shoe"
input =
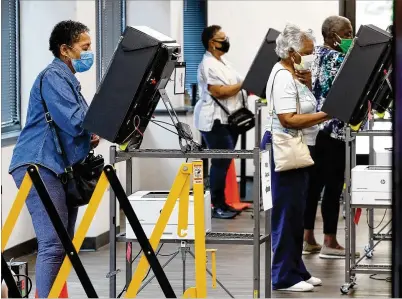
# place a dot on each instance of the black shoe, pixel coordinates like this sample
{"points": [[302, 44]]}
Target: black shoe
{"points": [[231, 209], [221, 214]]}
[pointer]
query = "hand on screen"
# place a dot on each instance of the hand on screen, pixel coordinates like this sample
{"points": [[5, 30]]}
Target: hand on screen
{"points": [[94, 140]]}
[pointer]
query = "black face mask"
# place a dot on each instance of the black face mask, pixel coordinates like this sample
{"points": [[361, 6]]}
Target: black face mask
{"points": [[225, 45]]}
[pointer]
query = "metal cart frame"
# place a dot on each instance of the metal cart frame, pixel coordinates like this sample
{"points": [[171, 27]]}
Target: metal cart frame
{"points": [[353, 267], [256, 238]]}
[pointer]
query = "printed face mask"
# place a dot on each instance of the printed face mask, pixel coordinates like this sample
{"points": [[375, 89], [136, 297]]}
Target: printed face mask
{"points": [[305, 63], [84, 63]]}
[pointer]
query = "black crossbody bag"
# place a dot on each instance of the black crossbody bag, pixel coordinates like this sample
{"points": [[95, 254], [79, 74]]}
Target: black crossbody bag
{"points": [[79, 180], [241, 120]]}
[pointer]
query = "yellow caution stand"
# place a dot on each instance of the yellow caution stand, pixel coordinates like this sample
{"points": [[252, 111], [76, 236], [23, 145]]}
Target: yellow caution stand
{"points": [[32, 178], [180, 189]]}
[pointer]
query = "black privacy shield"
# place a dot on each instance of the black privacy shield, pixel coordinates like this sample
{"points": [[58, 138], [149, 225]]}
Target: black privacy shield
{"points": [[258, 74], [126, 98], [356, 81]]}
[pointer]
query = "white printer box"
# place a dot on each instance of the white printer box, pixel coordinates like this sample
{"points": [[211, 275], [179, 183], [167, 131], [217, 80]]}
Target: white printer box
{"points": [[371, 185], [383, 156], [148, 206]]}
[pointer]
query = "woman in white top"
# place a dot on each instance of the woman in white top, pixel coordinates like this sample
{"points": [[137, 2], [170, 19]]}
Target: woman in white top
{"points": [[290, 78], [217, 81]]}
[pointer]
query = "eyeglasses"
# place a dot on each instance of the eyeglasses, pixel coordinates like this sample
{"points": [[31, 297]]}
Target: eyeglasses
{"points": [[221, 40]]}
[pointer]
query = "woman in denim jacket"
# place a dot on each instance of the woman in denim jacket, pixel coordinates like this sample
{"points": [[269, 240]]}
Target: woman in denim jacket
{"points": [[70, 44]]}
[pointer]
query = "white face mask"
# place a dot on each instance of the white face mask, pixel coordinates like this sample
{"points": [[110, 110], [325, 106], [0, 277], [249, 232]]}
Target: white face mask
{"points": [[305, 63]]}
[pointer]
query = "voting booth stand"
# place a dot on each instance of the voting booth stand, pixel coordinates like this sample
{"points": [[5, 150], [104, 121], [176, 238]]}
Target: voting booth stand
{"points": [[360, 102], [376, 182], [180, 190], [259, 236]]}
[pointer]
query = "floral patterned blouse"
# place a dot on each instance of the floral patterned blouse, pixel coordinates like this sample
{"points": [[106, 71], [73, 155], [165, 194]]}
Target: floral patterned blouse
{"points": [[325, 67]]}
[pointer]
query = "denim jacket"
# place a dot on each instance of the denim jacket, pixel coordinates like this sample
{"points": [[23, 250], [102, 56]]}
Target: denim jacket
{"points": [[67, 107]]}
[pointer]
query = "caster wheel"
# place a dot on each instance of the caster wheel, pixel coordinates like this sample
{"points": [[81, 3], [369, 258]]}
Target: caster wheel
{"points": [[369, 252], [345, 289], [252, 216]]}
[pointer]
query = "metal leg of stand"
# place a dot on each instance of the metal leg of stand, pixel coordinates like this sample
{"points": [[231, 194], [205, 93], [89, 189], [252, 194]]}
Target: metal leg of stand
{"points": [[347, 206], [268, 286], [183, 250], [217, 280], [371, 227], [112, 232], [268, 248], [352, 210], [371, 162], [256, 204], [129, 245], [243, 165], [153, 275]]}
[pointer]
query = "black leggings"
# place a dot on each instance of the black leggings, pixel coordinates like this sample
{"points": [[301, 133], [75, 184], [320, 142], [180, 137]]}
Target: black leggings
{"points": [[328, 172]]}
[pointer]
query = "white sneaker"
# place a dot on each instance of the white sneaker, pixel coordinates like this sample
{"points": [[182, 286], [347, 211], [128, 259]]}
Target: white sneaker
{"points": [[314, 281], [302, 286]]}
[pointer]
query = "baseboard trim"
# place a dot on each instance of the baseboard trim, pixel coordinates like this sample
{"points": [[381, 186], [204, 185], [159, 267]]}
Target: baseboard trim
{"points": [[31, 246], [94, 243], [25, 248]]}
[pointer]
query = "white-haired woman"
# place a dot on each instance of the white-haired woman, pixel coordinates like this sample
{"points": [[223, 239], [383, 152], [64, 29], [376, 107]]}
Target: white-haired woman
{"points": [[290, 80]]}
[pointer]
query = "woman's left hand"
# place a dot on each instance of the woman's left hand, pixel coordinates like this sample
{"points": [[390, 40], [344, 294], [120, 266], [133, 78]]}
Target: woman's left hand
{"points": [[304, 77], [94, 140]]}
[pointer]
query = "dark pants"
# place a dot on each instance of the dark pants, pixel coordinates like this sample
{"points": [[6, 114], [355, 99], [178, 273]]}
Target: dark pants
{"points": [[219, 137], [328, 172], [289, 192]]}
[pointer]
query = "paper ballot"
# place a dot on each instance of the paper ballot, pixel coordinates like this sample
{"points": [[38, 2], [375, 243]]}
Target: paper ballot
{"points": [[266, 180]]}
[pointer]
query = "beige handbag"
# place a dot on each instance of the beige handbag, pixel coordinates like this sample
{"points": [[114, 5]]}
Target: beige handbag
{"points": [[290, 152]]}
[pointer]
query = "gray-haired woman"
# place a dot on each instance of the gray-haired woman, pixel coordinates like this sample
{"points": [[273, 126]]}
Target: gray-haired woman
{"points": [[290, 78]]}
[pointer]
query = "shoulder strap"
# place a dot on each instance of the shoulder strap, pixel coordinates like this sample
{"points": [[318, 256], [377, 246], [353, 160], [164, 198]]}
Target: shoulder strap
{"points": [[220, 105], [271, 106], [52, 126], [223, 107], [243, 98], [271, 100]]}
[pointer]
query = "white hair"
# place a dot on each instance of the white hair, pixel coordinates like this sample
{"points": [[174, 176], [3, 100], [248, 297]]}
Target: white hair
{"points": [[292, 37]]}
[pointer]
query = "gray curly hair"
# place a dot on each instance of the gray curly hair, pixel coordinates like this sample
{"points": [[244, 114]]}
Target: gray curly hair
{"points": [[292, 37]]}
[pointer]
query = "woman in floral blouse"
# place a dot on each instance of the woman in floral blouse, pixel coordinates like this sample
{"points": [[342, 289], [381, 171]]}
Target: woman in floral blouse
{"points": [[329, 168]]}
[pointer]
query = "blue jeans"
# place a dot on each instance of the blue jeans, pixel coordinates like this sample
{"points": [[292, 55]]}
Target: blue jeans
{"points": [[219, 137], [50, 251], [289, 194]]}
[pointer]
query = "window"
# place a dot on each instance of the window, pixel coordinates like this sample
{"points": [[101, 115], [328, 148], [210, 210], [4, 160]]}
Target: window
{"points": [[194, 22], [378, 13], [110, 21], [10, 76]]}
